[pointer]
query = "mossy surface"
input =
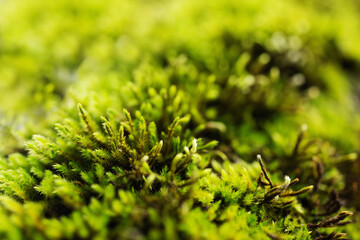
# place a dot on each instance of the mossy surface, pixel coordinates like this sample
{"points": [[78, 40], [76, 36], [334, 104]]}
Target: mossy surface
{"points": [[144, 119]]}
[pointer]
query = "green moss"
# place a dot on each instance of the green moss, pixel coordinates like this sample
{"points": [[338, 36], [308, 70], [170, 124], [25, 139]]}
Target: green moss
{"points": [[207, 86]]}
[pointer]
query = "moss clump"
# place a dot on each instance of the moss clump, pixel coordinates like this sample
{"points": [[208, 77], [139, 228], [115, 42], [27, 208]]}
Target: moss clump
{"points": [[119, 177], [202, 102]]}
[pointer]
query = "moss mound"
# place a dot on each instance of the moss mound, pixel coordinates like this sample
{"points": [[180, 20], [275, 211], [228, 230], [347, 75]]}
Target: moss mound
{"points": [[179, 119]]}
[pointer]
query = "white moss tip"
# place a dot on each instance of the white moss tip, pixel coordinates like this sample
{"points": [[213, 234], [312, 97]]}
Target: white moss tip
{"points": [[194, 146], [144, 158], [258, 157], [187, 151], [304, 127], [287, 181]]}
